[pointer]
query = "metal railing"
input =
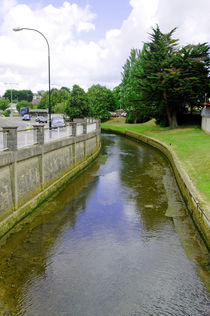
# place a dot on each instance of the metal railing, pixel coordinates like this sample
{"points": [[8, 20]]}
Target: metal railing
{"points": [[57, 133], [91, 127], [26, 138], [3, 141], [79, 129]]}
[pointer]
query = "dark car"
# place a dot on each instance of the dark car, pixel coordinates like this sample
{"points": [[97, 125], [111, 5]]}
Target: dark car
{"points": [[41, 119], [26, 117]]}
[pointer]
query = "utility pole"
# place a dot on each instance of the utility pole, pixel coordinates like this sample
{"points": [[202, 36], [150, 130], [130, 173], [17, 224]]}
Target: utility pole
{"points": [[11, 84]]}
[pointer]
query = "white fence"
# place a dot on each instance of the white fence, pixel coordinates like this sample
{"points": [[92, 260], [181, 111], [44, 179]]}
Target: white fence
{"points": [[57, 133], [26, 138], [79, 129], [3, 141], [91, 127]]}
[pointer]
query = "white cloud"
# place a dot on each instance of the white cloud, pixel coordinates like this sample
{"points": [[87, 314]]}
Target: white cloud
{"points": [[23, 56]]}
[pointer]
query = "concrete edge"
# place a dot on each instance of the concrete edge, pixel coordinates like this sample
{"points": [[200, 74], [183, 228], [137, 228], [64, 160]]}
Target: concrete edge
{"points": [[197, 207], [30, 206]]}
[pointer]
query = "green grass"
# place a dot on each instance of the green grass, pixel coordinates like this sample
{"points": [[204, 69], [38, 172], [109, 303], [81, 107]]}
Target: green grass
{"points": [[191, 145]]}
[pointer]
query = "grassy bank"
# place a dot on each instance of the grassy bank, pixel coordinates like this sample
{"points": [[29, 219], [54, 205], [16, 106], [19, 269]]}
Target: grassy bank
{"points": [[191, 145]]}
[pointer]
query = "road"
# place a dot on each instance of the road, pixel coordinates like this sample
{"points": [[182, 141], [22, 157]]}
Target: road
{"points": [[16, 121]]}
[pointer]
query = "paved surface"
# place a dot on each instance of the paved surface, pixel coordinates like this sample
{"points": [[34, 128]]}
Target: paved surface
{"points": [[16, 121]]}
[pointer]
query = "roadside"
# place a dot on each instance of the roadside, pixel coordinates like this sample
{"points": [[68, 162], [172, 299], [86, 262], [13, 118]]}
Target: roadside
{"points": [[191, 145], [16, 121]]}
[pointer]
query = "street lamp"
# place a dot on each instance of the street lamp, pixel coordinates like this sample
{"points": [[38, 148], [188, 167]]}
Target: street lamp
{"points": [[17, 29]]}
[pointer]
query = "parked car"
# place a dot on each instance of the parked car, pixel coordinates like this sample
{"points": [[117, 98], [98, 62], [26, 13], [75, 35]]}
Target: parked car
{"points": [[114, 114], [26, 117], [123, 114], [58, 122], [41, 119]]}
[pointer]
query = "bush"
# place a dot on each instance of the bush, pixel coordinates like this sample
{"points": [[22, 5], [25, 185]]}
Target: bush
{"points": [[7, 113], [130, 118], [143, 116]]}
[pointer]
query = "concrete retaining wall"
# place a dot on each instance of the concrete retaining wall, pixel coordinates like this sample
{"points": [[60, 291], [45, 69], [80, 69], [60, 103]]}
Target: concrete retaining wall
{"points": [[205, 122], [29, 175], [198, 209]]}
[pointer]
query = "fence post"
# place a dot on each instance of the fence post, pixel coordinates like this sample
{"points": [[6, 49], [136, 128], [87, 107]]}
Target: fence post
{"points": [[98, 124], [39, 130], [11, 137], [74, 129], [84, 127]]}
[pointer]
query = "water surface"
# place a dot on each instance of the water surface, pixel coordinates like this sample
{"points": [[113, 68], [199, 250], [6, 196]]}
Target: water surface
{"points": [[115, 241]]}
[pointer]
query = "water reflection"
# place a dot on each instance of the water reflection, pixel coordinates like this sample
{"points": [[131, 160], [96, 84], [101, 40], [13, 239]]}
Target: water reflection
{"points": [[157, 198], [107, 245], [25, 255]]}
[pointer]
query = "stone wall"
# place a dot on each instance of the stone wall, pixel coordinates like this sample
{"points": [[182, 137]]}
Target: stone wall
{"points": [[29, 175]]}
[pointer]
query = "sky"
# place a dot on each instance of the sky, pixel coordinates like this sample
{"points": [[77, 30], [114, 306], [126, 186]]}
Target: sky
{"points": [[89, 40]]}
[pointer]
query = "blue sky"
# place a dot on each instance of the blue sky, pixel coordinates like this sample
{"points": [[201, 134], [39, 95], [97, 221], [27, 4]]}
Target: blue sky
{"points": [[109, 14], [89, 39]]}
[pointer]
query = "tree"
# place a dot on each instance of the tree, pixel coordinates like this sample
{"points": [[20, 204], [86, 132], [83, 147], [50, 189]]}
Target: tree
{"points": [[22, 104], [4, 103], [60, 107], [101, 101], [173, 78], [158, 75], [130, 91], [67, 89], [116, 95], [77, 103], [164, 80], [193, 62], [19, 95], [59, 96], [44, 102]]}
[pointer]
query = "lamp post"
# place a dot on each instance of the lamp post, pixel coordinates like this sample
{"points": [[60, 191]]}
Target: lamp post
{"points": [[17, 29]]}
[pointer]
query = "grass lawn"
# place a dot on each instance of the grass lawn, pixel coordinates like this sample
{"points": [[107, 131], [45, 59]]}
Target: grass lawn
{"points": [[191, 145]]}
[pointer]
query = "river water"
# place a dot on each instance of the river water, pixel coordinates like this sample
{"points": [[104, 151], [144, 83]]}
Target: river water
{"points": [[115, 241]]}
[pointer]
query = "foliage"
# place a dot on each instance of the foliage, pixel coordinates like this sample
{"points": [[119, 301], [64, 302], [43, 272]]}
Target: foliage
{"points": [[130, 92], [116, 95], [77, 103], [19, 95], [130, 118], [4, 103], [22, 104], [59, 96], [67, 89], [101, 101], [44, 102], [59, 107], [163, 80], [56, 97], [7, 112]]}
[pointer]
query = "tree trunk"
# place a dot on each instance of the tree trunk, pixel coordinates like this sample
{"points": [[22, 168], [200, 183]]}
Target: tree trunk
{"points": [[171, 113], [172, 119]]}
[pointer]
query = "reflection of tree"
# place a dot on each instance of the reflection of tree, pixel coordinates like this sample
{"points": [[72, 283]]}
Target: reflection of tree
{"points": [[25, 253], [142, 172]]}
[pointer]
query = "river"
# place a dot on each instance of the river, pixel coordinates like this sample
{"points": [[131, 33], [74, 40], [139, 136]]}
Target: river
{"points": [[116, 240]]}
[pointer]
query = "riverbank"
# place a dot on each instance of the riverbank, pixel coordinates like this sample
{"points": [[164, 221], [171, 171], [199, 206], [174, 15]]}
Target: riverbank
{"points": [[30, 175], [188, 149]]}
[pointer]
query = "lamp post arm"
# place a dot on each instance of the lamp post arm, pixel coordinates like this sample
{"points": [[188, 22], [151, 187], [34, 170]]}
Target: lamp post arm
{"points": [[48, 46]]}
